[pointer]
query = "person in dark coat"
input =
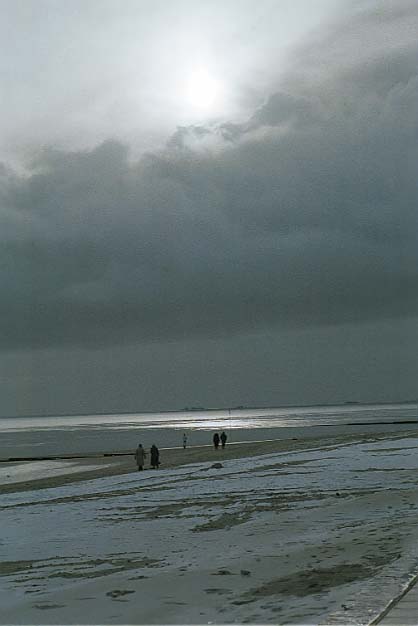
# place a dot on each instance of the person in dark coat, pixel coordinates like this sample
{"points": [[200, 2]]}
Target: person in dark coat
{"points": [[223, 438], [216, 440], [155, 456]]}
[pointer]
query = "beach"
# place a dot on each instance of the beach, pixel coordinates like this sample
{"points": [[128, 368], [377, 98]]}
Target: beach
{"points": [[66, 471], [288, 531]]}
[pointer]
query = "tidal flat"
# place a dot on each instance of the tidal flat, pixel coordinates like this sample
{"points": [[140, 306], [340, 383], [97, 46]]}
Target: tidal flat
{"points": [[289, 532]]}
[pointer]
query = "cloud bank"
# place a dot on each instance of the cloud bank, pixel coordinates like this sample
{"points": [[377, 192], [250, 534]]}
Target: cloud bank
{"points": [[303, 216]]}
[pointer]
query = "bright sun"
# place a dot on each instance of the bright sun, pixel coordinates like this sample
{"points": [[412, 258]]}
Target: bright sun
{"points": [[203, 90]]}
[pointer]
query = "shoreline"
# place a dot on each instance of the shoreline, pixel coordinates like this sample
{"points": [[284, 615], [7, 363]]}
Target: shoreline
{"points": [[99, 455], [122, 462]]}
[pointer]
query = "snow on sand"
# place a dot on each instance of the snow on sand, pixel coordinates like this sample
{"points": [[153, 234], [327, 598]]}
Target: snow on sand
{"points": [[319, 535]]}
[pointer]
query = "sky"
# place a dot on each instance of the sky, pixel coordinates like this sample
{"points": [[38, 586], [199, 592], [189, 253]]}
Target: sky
{"points": [[207, 203]]}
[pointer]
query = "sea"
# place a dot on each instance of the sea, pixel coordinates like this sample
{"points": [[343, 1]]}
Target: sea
{"points": [[89, 435]]}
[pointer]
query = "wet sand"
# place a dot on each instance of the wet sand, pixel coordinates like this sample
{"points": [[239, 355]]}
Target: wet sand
{"points": [[123, 462]]}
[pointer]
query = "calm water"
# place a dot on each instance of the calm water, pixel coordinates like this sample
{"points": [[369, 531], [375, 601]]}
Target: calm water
{"points": [[38, 436]]}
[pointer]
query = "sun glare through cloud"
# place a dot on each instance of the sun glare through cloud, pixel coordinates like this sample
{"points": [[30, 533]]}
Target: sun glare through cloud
{"points": [[203, 91], [209, 197]]}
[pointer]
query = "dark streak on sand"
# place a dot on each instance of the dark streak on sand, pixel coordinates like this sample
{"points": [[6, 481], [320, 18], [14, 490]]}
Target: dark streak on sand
{"points": [[309, 581], [76, 569], [223, 522]]}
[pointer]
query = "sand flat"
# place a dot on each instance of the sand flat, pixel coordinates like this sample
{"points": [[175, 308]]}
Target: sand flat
{"points": [[294, 535], [11, 473], [123, 462]]}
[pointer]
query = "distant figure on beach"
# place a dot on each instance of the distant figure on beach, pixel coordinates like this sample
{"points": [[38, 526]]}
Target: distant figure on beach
{"points": [[223, 438], [155, 456], [184, 441], [216, 440], [140, 457]]}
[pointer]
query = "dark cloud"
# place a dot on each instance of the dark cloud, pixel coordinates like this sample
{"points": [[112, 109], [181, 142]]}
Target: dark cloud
{"points": [[365, 362], [303, 216]]}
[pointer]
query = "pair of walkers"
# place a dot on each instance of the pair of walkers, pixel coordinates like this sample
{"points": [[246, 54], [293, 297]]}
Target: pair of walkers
{"points": [[222, 439], [140, 456]]}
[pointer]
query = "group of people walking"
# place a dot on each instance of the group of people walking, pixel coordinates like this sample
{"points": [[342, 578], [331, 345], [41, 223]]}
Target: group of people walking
{"points": [[140, 456], [219, 439]]}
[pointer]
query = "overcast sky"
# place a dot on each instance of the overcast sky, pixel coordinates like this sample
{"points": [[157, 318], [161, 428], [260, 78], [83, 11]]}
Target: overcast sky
{"points": [[207, 202]]}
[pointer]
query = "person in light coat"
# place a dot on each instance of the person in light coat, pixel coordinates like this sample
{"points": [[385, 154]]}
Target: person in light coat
{"points": [[140, 457]]}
